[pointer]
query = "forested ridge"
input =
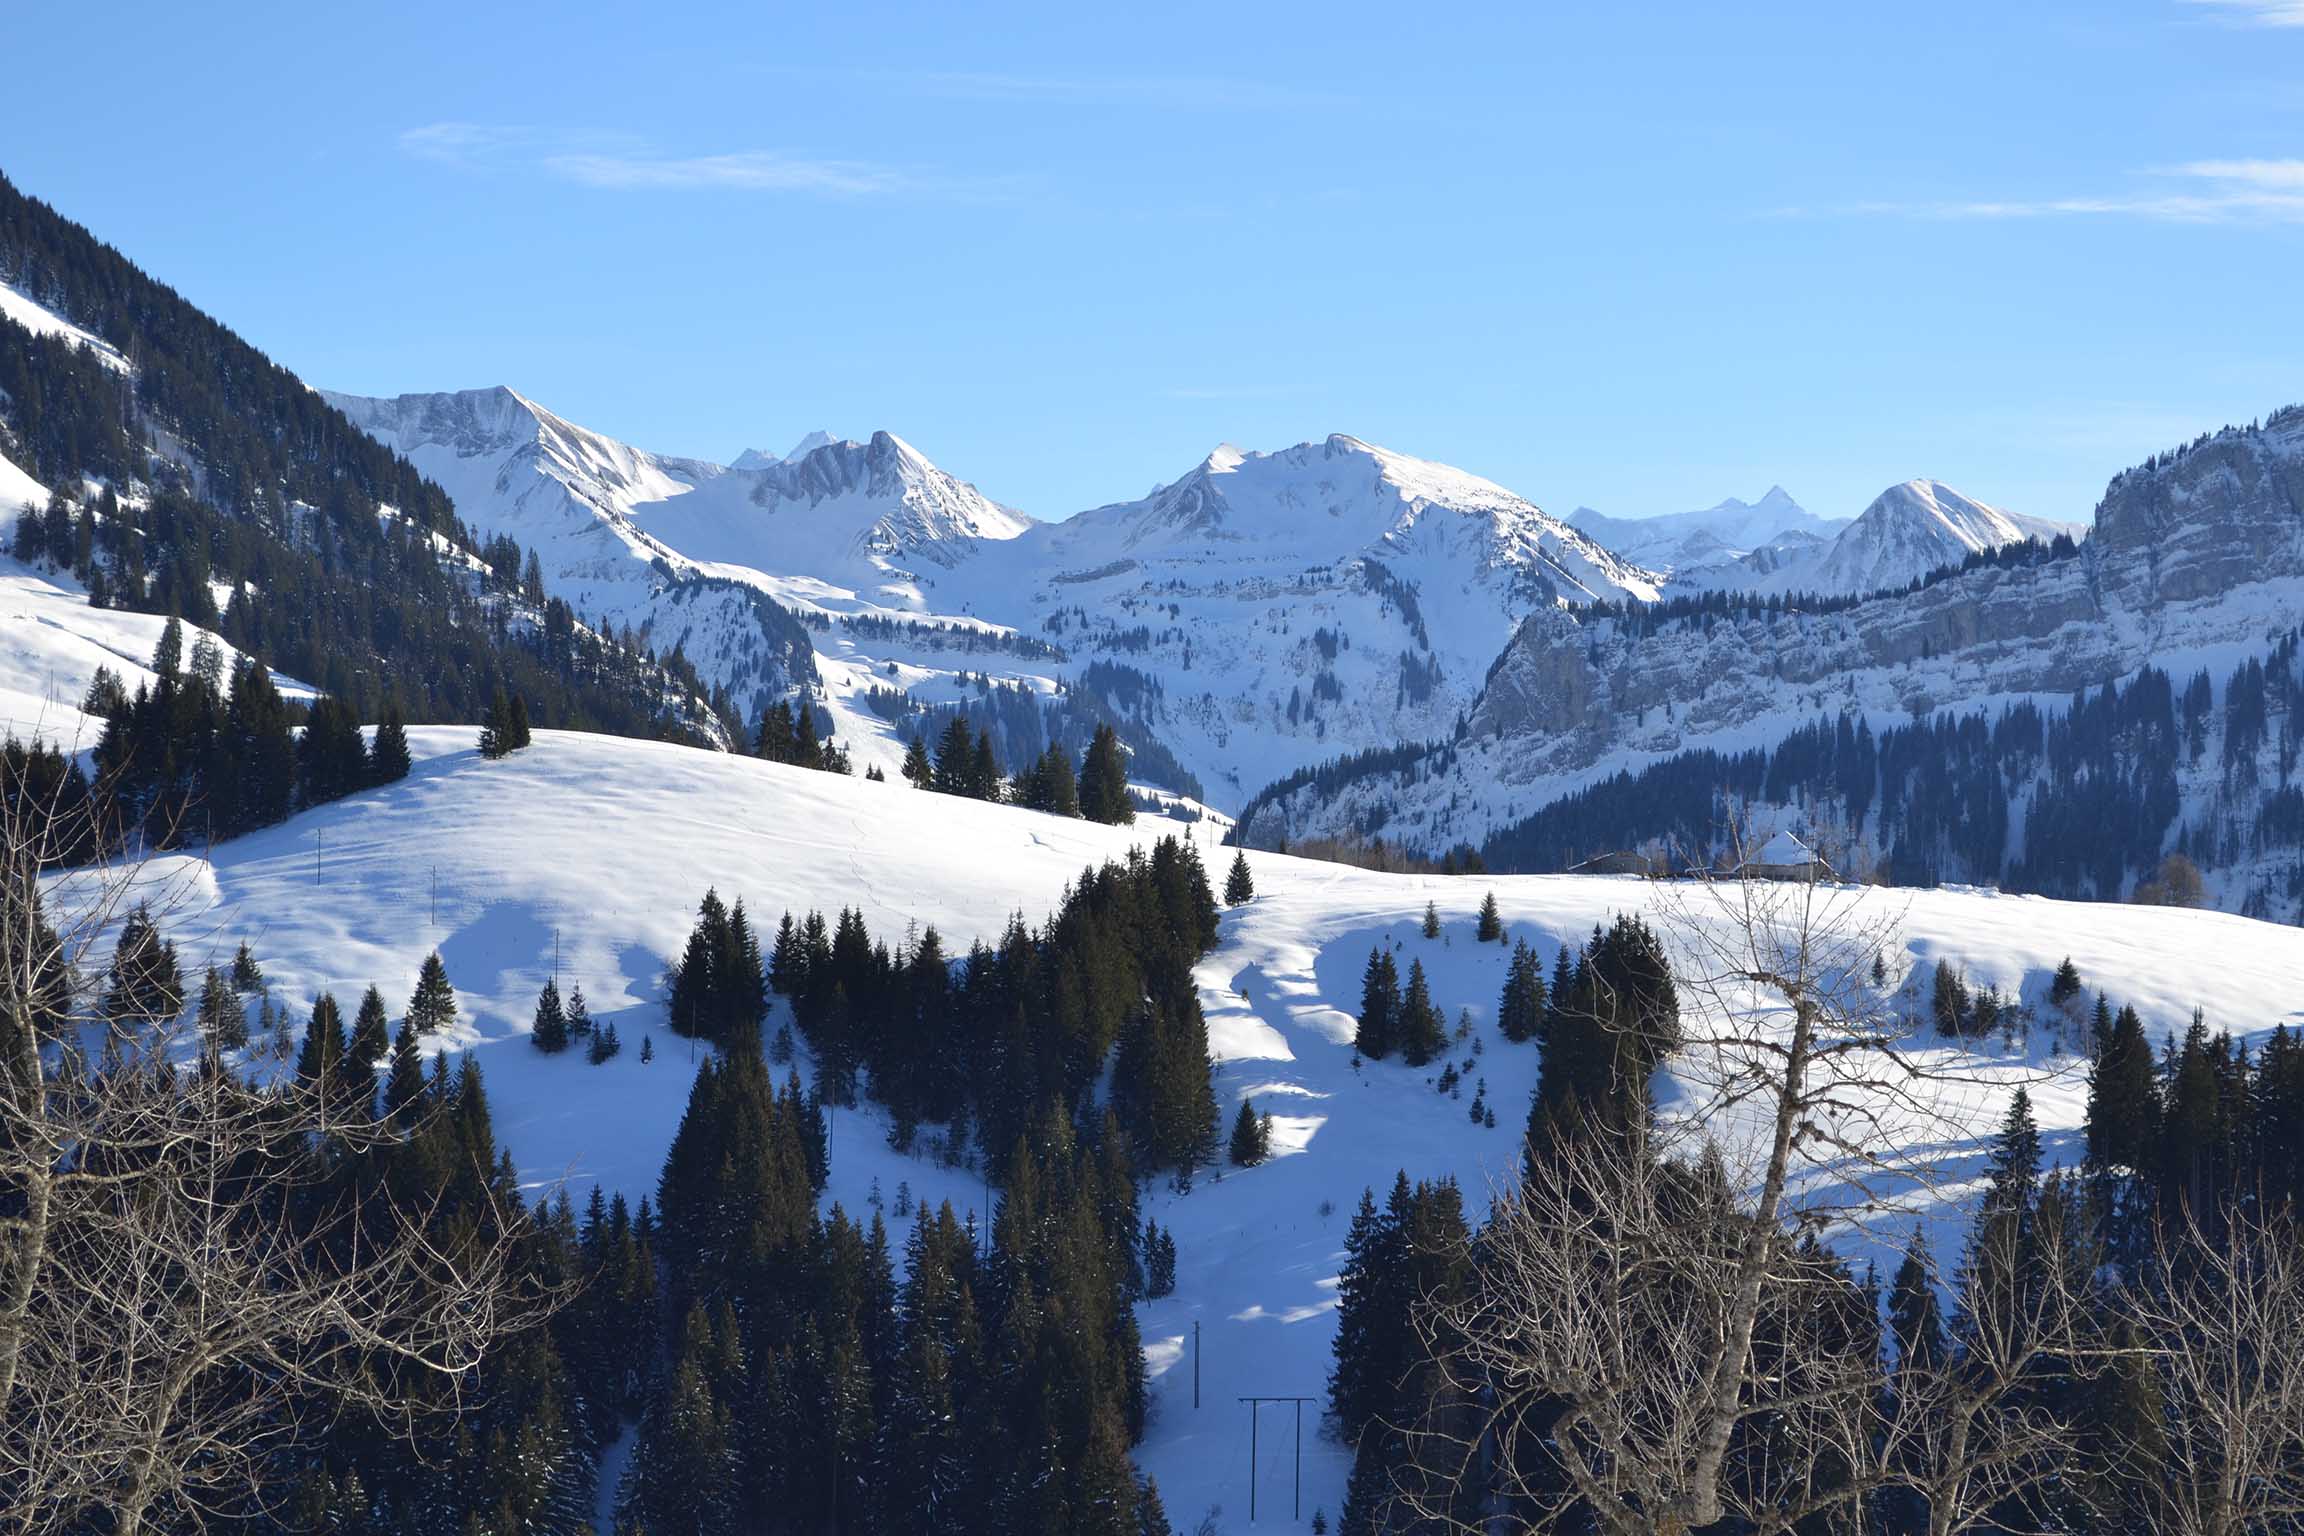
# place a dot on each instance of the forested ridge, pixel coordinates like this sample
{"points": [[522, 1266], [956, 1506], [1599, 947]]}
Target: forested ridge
{"points": [[230, 494]]}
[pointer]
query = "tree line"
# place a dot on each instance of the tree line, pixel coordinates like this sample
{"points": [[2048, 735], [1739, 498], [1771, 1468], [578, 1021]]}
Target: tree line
{"points": [[991, 1044]]}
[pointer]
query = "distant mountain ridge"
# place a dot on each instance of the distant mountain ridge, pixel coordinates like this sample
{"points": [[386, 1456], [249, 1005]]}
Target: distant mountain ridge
{"points": [[1676, 542], [2194, 558], [1330, 593]]}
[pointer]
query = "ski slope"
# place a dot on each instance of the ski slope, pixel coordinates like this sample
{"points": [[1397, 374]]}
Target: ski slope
{"points": [[598, 849]]}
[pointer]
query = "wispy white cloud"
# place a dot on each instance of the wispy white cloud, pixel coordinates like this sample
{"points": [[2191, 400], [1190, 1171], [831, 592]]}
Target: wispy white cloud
{"points": [[2200, 192], [618, 163], [746, 171], [2259, 13], [455, 143]]}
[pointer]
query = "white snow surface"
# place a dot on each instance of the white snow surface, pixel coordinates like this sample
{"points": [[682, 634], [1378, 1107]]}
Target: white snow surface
{"points": [[52, 642], [40, 320], [607, 845]]}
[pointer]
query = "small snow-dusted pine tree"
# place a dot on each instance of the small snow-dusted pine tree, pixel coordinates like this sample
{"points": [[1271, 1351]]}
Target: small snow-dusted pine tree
{"points": [[432, 1007], [549, 1033], [1239, 885], [1491, 930]]}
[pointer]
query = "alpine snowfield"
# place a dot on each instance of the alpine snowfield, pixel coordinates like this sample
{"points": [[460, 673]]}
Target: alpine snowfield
{"points": [[596, 850]]}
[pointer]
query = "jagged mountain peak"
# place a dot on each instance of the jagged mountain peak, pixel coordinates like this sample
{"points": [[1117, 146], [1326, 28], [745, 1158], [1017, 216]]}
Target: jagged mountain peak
{"points": [[761, 458], [1342, 497], [881, 500]]}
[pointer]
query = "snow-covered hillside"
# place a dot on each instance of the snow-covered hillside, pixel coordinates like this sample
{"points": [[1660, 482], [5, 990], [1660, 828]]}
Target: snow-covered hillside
{"points": [[52, 642], [24, 310], [599, 849]]}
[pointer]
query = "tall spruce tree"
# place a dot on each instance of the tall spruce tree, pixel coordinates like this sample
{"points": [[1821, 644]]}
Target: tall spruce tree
{"points": [[388, 756], [432, 1007], [549, 1030], [1520, 1011], [1491, 928], [1379, 1026], [1421, 1035], [1104, 781], [371, 1034], [2123, 1099], [1251, 1136], [1240, 884], [223, 1018]]}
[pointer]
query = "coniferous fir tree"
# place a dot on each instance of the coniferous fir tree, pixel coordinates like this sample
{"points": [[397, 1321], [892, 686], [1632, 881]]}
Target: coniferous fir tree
{"points": [[1491, 929], [371, 1034], [1421, 1036], [247, 975], [1431, 920], [432, 1007], [1240, 884], [549, 1031], [1251, 1136], [1104, 781], [1520, 1011], [1379, 1027], [223, 1017], [2066, 985], [388, 757]]}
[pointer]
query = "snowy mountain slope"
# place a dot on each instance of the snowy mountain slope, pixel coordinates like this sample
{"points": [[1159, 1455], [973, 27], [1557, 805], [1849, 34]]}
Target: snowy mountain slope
{"points": [[1291, 606], [1338, 498], [1259, 1249], [52, 642], [868, 514], [1678, 542], [1914, 528], [516, 470], [18, 491], [36, 317], [2196, 559]]}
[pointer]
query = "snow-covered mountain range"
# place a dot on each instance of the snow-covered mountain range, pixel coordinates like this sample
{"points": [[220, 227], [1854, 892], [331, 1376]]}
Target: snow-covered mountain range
{"points": [[1262, 612], [1908, 531], [2195, 563], [1681, 543]]}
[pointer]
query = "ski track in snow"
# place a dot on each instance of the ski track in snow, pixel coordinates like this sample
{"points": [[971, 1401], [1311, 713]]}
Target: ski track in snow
{"points": [[610, 843]]}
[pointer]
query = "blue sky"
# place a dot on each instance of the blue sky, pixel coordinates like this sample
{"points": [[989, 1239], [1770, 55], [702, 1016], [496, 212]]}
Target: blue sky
{"points": [[1639, 260]]}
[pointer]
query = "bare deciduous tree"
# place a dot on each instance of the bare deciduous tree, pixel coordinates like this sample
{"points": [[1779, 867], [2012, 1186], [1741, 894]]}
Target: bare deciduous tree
{"points": [[2222, 1327], [1655, 1339], [178, 1289]]}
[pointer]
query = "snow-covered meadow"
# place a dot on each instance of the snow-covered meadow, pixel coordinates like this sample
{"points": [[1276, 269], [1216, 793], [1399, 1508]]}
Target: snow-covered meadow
{"points": [[598, 849]]}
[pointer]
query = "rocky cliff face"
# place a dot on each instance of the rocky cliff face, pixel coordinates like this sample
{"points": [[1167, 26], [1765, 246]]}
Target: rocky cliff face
{"points": [[2202, 548]]}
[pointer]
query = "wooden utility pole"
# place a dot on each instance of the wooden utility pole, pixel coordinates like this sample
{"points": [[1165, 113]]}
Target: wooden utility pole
{"points": [[1255, 1413]]}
